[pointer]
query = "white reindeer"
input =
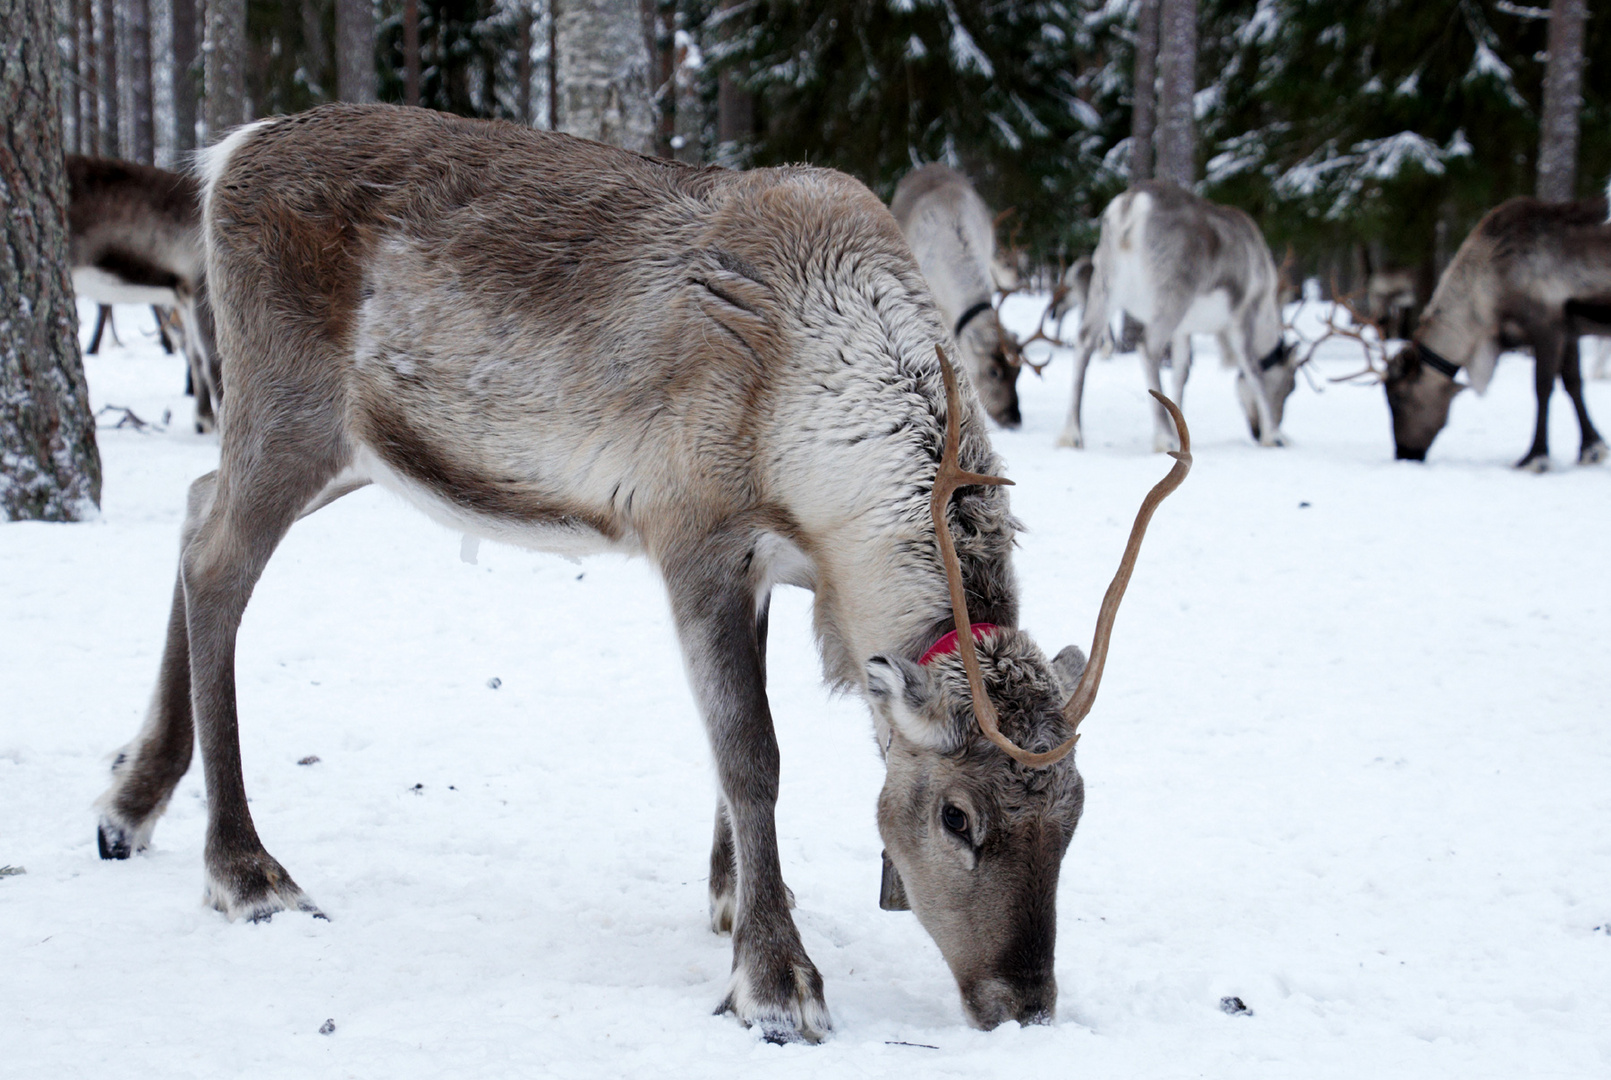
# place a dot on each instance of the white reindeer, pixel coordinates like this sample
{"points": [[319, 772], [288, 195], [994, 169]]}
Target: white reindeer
{"points": [[1181, 265]]}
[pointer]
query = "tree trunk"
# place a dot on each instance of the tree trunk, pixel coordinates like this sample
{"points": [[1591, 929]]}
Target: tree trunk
{"points": [[554, 7], [89, 73], [735, 105], [316, 48], [1177, 66], [411, 52], [142, 122], [106, 18], [1144, 107], [184, 76], [356, 78], [523, 65], [49, 467], [604, 74], [660, 24], [70, 102], [1563, 100], [224, 60]]}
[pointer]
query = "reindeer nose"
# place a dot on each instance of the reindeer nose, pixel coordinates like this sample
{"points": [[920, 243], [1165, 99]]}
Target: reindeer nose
{"points": [[991, 1002]]}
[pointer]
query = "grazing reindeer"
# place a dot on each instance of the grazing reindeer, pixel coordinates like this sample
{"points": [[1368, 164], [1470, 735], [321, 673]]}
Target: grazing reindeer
{"points": [[1182, 265], [1509, 284], [134, 237], [953, 236], [563, 345]]}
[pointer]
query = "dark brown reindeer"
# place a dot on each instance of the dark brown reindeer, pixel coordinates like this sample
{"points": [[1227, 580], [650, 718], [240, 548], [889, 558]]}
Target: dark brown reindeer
{"points": [[953, 236], [558, 344], [134, 237], [1509, 285]]}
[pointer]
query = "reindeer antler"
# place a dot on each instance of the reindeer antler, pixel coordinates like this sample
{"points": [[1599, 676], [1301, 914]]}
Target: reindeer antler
{"points": [[1084, 696], [947, 479], [1355, 332]]}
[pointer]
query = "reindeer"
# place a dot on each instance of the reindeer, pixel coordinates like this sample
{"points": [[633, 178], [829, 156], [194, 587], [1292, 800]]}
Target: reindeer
{"points": [[555, 343], [134, 237], [953, 235], [1182, 265], [1510, 284]]}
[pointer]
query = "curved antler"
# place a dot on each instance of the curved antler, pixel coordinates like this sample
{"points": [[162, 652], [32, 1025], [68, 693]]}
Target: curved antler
{"points": [[1084, 696]]}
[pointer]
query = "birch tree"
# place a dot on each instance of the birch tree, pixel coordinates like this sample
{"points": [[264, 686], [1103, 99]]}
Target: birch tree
{"points": [[602, 58]]}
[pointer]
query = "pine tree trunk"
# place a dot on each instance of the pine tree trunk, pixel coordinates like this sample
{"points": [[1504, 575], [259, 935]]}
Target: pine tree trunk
{"points": [[184, 75], [660, 22], [1177, 68], [356, 78], [1563, 100], [411, 52], [316, 47], [89, 74], [106, 18], [604, 74], [70, 102], [142, 126], [224, 61], [49, 467], [735, 105], [1144, 109], [523, 64]]}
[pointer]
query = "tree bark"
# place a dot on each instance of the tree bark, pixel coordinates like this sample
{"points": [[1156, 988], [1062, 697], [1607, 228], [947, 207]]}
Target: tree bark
{"points": [[184, 75], [603, 65], [411, 52], [1177, 67], [50, 469], [106, 19], [142, 120], [1563, 101], [70, 102], [660, 24], [554, 8], [89, 74], [1144, 101], [523, 65], [356, 76], [224, 62], [735, 105]]}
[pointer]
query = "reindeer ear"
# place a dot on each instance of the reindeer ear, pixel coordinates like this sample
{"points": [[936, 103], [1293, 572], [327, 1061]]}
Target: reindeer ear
{"points": [[1068, 666], [901, 691]]}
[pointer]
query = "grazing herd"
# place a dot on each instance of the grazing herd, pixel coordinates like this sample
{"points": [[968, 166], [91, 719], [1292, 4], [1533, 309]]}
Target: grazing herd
{"points": [[744, 378]]}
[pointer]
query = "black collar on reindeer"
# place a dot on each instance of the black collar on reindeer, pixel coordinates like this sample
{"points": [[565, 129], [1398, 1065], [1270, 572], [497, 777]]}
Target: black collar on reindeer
{"points": [[968, 316], [1437, 363], [1275, 356]]}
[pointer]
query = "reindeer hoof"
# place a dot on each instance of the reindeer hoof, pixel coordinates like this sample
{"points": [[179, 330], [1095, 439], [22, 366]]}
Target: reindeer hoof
{"points": [[255, 887], [791, 1008], [1537, 464], [112, 841], [1593, 455], [1071, 441]]}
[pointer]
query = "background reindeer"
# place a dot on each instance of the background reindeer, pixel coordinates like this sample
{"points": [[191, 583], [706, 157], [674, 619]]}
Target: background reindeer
{"points": [[953, 235], [1508, 285], [734, 374], [135, 238], [1182, 265]]}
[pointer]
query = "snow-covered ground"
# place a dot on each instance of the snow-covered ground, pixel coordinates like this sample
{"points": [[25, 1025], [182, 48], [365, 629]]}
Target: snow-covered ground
{"points": [[1351, 763]]}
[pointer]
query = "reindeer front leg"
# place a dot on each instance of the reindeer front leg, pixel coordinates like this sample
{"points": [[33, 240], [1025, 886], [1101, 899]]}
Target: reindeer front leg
{"points": [[714, 598]]}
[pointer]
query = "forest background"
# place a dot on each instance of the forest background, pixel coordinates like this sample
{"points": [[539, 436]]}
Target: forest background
{"points": [[1359, 135]]}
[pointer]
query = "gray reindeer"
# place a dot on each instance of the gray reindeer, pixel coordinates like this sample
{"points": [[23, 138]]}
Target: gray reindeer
{"points": [[562, 345], [1181, 265], [134, 237], [1531, 273], [953, 236]]}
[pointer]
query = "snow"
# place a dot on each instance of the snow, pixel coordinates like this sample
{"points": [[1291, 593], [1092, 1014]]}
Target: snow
{"points": [[1350, 764]]}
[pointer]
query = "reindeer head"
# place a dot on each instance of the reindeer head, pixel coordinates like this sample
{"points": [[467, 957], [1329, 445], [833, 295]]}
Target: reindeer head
{"points": [[1418, 398], [975, 824], [992, 358], [1278, 371]]}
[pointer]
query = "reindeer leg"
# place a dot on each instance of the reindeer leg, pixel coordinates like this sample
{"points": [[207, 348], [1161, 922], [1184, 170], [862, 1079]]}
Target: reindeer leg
{"points": [[1546, 364], [1072, 435], [103, 315], [1163, 430], [147, 769], [162, 331], [775, 986], [1180, 350], [1593, 449]]}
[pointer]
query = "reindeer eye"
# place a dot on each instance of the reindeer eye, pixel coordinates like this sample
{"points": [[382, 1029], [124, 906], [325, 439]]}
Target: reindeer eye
{"points": [[955, 820]]}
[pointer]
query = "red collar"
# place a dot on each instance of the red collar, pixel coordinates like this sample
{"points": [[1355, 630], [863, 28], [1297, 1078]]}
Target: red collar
{"points": [[948, 643]]}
